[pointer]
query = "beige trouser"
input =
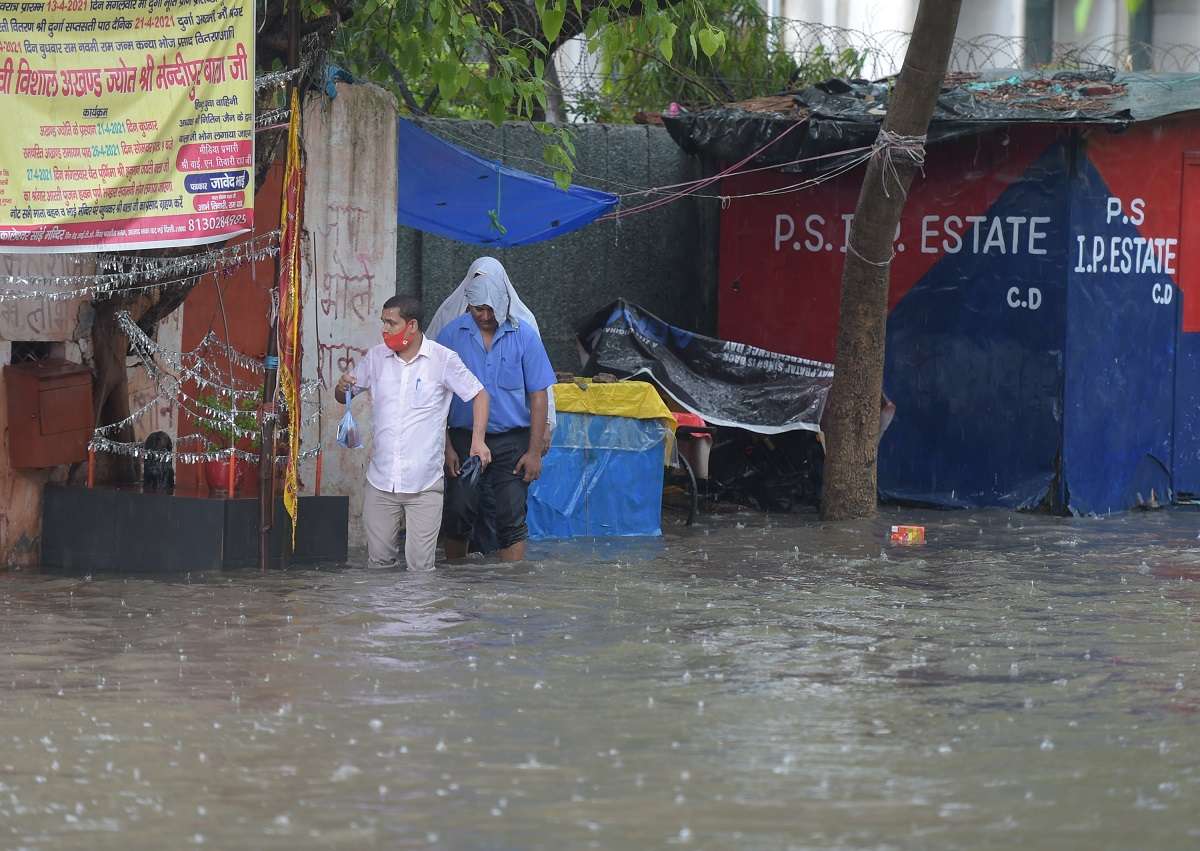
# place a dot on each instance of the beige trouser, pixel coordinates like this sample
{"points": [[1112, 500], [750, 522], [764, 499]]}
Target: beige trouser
{"points": [[422, 516]]}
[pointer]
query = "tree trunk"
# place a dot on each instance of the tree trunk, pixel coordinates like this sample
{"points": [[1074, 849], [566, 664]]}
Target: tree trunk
{"points": [[110, 390], [110, 349], [852, 418]]}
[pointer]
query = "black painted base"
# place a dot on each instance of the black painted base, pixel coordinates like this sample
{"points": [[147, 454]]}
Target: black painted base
{"points": [[107, 529]]}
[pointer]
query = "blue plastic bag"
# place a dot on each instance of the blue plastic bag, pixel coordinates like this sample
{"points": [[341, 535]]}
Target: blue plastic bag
{"points": [[470, 471], [347, 433]]}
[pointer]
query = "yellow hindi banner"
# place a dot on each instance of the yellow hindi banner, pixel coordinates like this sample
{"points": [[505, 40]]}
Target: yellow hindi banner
{"points": [[128, 123]]}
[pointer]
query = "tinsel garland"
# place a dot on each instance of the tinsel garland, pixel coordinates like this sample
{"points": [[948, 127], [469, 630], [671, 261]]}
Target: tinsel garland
{"points": [[137, 450], [170, 387], [279, 78], [107, 431], [153, 268], [272, 117], [155, 272], [150, 351]]}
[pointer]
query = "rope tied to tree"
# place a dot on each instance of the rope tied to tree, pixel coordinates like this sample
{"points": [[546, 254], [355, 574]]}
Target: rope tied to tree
{"points": [[879, 264], [889, 144]]}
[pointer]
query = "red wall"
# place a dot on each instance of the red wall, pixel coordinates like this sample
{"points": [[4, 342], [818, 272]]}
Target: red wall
{"points": [[782, 255], [246, 292], [1147, 162]]}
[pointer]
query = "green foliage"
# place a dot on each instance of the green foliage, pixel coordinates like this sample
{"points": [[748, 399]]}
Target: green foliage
{"points": [[713, 51], [216, 430], [488, 58]]}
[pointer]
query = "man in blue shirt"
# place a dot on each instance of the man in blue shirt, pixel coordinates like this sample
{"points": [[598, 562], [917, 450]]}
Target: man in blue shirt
{"points": [[510, 361]]}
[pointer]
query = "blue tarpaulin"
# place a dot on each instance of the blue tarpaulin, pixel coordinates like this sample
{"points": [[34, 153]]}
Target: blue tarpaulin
{"points": [[451, 192], [603, 477]]}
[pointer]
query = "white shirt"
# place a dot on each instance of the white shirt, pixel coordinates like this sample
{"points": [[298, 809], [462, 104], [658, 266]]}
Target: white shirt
{"points": [[409, 405]]}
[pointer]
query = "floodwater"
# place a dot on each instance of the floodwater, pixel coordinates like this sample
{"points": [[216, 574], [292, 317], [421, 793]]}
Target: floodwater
{"points": [[753, 683]]}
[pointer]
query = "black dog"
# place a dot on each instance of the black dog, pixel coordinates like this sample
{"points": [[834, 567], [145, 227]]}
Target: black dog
{"points": [[158, 475]]}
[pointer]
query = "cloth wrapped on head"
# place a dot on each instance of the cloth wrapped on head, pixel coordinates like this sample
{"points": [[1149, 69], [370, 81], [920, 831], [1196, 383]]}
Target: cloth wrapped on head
{"points": [[487, 290], [456, 303]]}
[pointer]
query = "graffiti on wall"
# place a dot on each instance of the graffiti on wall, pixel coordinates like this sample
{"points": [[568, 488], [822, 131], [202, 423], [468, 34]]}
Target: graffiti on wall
{"points": [[40, 318]]}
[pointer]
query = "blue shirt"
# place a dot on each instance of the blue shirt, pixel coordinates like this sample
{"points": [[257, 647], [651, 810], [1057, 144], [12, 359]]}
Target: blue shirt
{"points": [[516, 366]]}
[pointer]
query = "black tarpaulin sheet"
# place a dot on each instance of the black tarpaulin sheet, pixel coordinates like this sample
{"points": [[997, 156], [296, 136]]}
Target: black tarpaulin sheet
{"points": [[844, 114], [726, 383]]}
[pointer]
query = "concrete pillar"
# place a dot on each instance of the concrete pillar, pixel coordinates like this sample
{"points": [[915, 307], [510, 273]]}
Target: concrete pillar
{"points": [[350, 267]]}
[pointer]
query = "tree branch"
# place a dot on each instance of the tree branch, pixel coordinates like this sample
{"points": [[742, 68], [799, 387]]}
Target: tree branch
{"points": [[695, 81], [401, 84], [431, 100], [517, 16]]}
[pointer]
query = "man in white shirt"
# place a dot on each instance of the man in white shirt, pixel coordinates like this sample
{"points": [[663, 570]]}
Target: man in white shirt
{"points": [[411, 379]]}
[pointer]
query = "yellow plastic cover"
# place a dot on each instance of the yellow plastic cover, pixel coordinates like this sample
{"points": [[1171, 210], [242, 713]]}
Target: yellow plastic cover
{"points": [[637, 400]]}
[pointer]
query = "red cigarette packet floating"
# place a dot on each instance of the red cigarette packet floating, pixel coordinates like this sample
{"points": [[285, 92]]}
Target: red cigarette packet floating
{"points": [[908, 536]]}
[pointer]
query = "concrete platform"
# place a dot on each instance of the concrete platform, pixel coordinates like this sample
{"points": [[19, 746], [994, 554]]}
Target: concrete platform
{"points": [[125, 530]]}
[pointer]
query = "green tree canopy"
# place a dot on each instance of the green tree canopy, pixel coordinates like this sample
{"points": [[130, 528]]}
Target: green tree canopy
{"points": [[489, 58]]}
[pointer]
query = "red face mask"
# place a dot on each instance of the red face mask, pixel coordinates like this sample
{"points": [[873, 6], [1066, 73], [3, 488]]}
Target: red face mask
{"points": [[397, 342]]}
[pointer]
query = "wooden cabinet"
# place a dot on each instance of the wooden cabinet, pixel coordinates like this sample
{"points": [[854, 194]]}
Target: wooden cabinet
{"points": [[50, 418]]}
